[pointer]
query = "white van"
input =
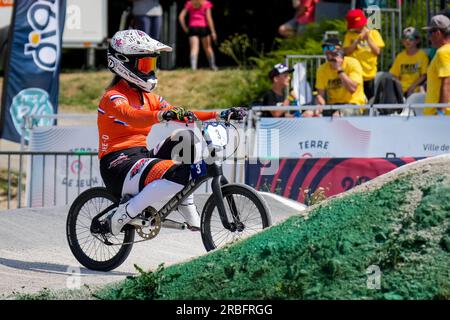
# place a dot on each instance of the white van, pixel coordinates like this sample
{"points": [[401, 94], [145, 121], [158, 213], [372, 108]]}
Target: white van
{"points": [[86, 24]]}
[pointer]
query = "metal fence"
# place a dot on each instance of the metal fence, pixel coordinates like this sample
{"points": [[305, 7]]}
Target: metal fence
{"points": [[397, 15], [55, 172], [390, 26], [310, 62], [37, 179], [409, 109]]}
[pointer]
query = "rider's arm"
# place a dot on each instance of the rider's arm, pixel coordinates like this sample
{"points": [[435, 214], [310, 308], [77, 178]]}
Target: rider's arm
{"points": [[201, 115], [118, 107], [206, 115]]}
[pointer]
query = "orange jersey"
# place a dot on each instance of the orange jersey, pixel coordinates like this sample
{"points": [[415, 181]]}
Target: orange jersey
{"points": [[124, 120]]}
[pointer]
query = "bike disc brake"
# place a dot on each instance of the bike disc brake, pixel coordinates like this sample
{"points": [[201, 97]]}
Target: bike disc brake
{"points": [[153, 227]]}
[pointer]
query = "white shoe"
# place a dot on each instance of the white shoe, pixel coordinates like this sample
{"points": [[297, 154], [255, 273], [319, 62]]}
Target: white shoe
{"points": [[119, 218], [190, 215]]}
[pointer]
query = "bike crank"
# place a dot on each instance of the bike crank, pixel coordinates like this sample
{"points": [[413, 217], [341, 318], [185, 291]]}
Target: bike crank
{"points": [[147, 224]]}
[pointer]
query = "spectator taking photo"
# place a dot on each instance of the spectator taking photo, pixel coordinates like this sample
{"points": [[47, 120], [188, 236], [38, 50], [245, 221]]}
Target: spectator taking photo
{"points": [[340, 79]]}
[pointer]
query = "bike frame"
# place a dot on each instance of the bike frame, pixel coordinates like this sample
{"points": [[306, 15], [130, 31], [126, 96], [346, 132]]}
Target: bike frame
{"points": [[213, 171]]}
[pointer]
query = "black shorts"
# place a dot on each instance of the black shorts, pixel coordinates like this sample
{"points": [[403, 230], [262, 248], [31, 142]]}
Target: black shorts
{"points": [[199, 32], [115, 166], [128, 170]]}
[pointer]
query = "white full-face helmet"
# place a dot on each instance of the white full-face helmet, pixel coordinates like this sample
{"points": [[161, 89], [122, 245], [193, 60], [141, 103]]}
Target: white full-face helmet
{"points": [[133, 55]]}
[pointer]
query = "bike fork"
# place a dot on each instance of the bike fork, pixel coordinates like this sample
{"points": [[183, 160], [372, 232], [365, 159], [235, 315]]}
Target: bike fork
{"points": [[216, 186]]}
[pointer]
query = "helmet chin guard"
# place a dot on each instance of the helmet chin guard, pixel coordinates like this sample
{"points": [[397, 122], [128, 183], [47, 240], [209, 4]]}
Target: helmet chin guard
{"points": [[147, 83], [124, 52]]}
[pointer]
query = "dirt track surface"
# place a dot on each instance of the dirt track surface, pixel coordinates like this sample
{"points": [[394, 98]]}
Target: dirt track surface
{"points": [[34, 253]]}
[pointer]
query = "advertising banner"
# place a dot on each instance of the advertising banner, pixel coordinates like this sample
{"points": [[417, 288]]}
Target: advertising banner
{"points": [[300, 178], [57, 180], [31, 82], [353, 137], [5, 12]]}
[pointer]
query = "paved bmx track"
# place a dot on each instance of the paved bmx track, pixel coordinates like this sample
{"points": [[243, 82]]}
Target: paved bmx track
{"points": [[34, 253]]}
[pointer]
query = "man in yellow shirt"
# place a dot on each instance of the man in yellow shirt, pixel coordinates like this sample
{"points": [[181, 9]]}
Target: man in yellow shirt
{"points": [[410, 65], [339, 79], [438, 75], [364, 45]]}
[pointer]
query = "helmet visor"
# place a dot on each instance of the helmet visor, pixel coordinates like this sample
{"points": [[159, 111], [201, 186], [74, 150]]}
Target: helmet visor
{"points": [[147, 64]]}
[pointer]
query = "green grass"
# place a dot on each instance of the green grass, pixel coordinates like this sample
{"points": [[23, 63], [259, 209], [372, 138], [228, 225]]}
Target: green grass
{"points": [[4, 182], [202, 89], [402, 228], [325, 257]]}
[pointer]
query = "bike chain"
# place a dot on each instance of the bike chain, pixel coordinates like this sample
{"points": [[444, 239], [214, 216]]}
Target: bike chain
{"points": [[151, 215]]}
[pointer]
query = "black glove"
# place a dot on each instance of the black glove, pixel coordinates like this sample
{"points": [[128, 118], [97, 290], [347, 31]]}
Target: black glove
{"points": [[237, 113], [177, 113]]}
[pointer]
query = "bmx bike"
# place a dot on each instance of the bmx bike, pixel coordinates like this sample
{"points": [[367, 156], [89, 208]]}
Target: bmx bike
{"points": [[232, 212]]}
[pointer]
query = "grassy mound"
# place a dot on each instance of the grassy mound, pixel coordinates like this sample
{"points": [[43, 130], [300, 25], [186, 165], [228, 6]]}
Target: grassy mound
{"points": [[401, 229]]}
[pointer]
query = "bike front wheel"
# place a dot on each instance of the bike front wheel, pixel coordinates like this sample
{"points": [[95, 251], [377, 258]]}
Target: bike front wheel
{"points": [[96, 251], [246, 211]]}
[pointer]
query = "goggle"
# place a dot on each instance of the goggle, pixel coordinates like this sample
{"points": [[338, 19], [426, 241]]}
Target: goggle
{"points": [[328, 47], [147, 64]]}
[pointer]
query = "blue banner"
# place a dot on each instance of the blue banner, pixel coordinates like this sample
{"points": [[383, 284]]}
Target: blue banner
{"points": [[31, 83]]}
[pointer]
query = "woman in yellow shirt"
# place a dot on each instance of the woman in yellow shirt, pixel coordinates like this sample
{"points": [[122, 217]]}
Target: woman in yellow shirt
{"points": [[364, 45], [410, 65]]}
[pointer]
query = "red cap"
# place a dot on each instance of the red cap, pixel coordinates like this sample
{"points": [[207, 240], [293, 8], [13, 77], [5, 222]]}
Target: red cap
{"points": [[356, 19]]}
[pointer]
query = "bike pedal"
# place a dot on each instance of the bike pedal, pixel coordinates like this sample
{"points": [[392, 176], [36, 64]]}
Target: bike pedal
{"points": [[171, 224], [192, 228]]}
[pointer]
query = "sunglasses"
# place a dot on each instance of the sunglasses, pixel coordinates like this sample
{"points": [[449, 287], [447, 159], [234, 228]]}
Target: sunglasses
{"points": [[147, 64], [327, 47]]}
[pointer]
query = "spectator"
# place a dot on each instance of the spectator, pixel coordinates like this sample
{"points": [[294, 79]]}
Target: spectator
{"points": [[201, 26], [276, 96], [364, 45], [147, 16], [438, 74], [340, 79], [304, 14], [410, 65]]}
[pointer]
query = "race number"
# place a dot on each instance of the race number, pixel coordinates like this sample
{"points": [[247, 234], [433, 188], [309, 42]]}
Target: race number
{"points": [[198, 169]]}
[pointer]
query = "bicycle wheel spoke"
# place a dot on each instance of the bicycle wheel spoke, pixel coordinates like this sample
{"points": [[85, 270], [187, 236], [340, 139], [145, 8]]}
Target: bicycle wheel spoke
{"points": [[244, 211], [99, 250]]}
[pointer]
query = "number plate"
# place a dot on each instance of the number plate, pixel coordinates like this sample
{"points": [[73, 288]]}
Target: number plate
{"points": [[217, 134], [198, 169]]}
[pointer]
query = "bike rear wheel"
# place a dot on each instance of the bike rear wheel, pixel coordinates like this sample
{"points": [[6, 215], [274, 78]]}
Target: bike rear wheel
{"points": [[241, 201], [88, 248]]}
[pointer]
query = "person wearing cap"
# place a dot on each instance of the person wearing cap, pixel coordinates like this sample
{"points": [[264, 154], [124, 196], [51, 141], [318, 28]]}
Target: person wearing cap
{"points": [[276, 96], [438, 73], [364, 45], [410, 65], [340, 79]]}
